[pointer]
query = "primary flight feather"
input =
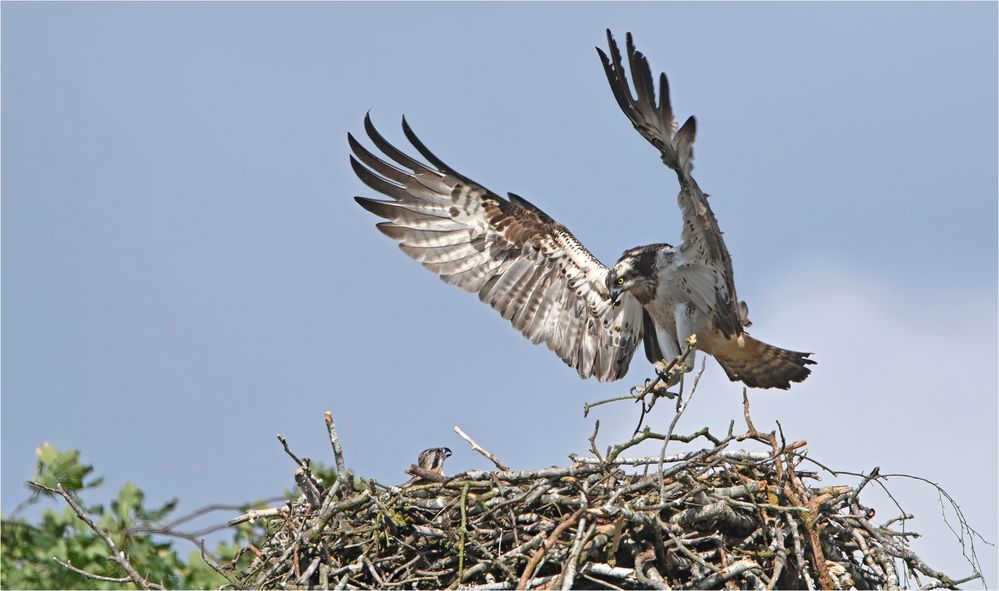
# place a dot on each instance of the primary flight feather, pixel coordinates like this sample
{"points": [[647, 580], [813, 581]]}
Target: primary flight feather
{"points": [[537, 275]]}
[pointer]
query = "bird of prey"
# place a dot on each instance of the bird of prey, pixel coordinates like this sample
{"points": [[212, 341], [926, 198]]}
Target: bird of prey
{"points": [[431, 460], [537, 275]]}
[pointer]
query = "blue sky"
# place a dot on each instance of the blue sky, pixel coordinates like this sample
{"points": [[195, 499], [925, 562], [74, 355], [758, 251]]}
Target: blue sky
{"points": [[185, 273]]}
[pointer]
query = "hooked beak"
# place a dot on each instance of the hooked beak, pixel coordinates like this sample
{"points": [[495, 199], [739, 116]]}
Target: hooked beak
{"points": [[615, 293]]}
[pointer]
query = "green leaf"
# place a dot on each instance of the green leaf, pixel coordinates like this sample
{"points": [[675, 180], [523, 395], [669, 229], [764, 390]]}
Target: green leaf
{"points": [[62, 468], [129, 498]]}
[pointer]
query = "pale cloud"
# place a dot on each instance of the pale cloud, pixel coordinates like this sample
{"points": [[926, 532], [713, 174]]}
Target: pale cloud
{"points": [[906, 382]]}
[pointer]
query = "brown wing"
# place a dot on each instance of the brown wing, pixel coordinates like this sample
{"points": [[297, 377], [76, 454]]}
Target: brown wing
{"points": [[656, 123], [521, 262]]}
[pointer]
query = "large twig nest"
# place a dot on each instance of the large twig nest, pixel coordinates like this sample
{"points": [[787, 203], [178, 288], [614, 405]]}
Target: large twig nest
{"points": [[711, 518]]}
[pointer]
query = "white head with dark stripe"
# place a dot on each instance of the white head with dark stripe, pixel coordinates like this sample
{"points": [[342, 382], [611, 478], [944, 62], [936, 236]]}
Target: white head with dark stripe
{"points": [[636, 272]]}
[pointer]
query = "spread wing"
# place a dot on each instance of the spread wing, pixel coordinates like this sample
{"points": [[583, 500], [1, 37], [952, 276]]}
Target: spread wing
{"points": [[521, 262], [701, 237]]}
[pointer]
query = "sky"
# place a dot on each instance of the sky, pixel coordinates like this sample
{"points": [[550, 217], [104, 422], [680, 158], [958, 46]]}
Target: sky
{"points": [[185, 273]]}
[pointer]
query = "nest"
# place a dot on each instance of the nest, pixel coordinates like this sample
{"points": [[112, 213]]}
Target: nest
{"points": [[720, 516]]}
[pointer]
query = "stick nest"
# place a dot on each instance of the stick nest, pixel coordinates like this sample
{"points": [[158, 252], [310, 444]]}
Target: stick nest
{"points": [[710, 518]]}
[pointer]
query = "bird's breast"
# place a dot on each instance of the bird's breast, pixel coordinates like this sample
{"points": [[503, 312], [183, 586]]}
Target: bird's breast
{"points": [[661, 307]]}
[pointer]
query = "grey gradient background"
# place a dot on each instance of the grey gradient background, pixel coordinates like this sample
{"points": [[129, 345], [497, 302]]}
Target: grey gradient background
{"points": [[185, 273]]}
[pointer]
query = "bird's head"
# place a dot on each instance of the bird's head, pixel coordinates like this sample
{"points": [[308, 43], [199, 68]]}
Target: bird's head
{"points": [[433, 458], [634, 272]]}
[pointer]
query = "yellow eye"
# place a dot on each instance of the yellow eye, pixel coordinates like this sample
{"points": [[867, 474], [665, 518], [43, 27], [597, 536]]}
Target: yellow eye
{"points": [[620, 280]]}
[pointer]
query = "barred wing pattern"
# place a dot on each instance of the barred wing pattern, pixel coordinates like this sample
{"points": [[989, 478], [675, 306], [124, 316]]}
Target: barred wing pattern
{"points": [[524, 264], [700, 234]]}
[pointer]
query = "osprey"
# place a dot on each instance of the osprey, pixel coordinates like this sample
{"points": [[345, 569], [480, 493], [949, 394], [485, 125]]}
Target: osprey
{"points": [[431, 460], [535, 273]]}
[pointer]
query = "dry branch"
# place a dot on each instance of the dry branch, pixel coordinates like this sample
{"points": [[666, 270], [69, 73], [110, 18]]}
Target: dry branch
{"points": [[116, 554], [492, 458]]}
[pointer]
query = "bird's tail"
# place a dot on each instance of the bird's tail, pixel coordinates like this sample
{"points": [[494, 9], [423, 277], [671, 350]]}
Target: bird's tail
{"points": [[759, 365]]}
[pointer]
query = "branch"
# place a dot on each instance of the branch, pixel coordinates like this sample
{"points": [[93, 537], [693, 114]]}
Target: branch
{"points": [[423, 474], [735, 455], [304, 480], [657, 387], [680, 408], [215, 566], [335, 442], [492, 458], [168, 527], [535, 560], [734, 569], [287, 450], [116, 555], [92, 575], [255, 514]]}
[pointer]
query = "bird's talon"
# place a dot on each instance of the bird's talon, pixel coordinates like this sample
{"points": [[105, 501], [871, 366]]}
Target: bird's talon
{"points": [[662, 391]]}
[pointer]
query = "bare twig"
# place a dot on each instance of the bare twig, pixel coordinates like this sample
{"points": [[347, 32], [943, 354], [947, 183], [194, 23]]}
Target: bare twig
{"points": [[462, 532], [116, 554], [734, 455], [202, 511], [680, 408], [532, 564], [214, 565], [492, 458], [254, 514], [335, 443], [92, 575], [572, 562], [304, 480], [656, 387], [287, 450], [593, 443], [736, 568]]}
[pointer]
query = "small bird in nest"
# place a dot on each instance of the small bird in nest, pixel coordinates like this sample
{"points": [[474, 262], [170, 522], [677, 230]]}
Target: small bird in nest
{"points": [[431, 460]]}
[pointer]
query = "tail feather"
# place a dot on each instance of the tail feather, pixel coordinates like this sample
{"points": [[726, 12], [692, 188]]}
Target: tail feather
{"points": [[759, 365]]}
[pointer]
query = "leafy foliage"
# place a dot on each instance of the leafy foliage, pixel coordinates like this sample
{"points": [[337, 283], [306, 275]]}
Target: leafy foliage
{"points": [[28, 548]]}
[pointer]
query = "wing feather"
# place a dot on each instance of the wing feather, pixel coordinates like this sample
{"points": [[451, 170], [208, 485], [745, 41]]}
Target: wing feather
{"points": [[391, 151], [459, 265], [510, 300], [702, 238], [439, 254], [378, 183], [474, 279], [548, 309], [414, 237], [524, 264], [410, 216], [524, 309], [381, 167]]}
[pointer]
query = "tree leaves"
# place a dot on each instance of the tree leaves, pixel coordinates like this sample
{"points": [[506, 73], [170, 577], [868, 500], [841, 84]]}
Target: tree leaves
{"points": [[28, 547], [55, 468]]}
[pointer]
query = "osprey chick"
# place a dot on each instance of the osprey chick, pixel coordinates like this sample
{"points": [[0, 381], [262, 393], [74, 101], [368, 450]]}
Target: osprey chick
{"points": [[535, 273], [431, 460]]}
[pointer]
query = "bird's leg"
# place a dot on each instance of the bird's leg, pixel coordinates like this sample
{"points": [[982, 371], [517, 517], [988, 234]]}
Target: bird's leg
{"points": [[669, 372], [667, 375], [665, 371]]}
